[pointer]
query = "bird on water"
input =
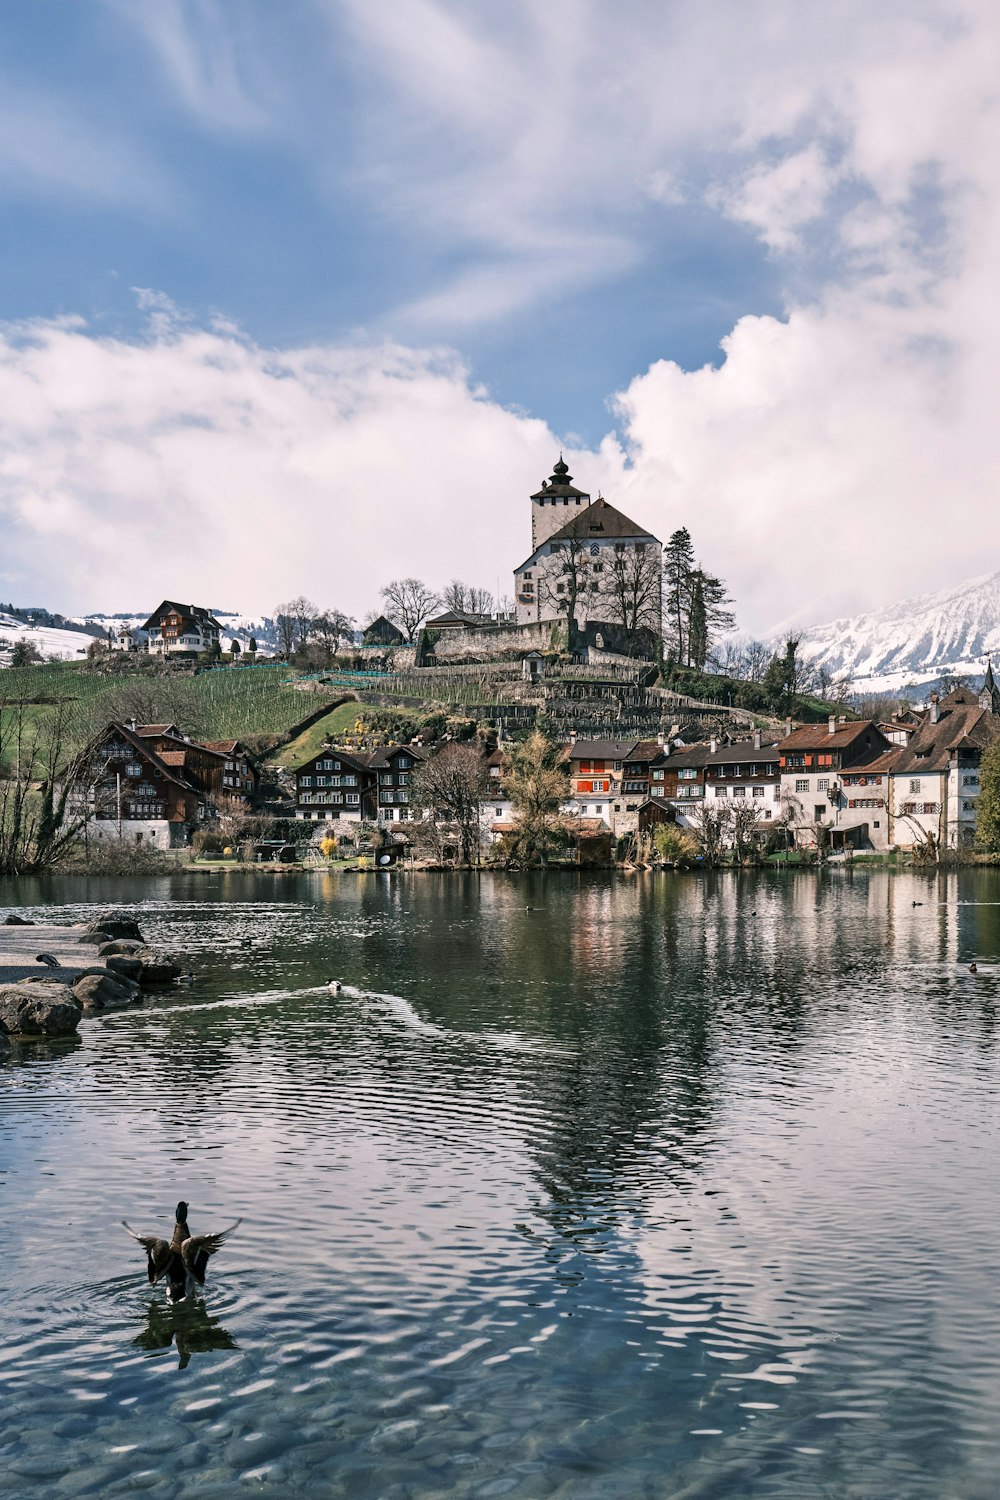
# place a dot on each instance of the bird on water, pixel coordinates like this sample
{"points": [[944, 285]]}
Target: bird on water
{"points": [[335, 986], [973, 969], [184, 1258]]}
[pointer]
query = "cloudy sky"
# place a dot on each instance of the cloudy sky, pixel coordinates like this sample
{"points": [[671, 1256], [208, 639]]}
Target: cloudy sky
{"points": [[300, 298]]}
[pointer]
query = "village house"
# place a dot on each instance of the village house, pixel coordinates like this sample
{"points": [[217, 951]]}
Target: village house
{"points": [[181, 630], [393, 768], [834, 777], [331, 785], [240, 774], [201, 766], [935, 778], [497, 815], [382, 632], [358, 786], [595, 776], [127, 791], [744, 773]]}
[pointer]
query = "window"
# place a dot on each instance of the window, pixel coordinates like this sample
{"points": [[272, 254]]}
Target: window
{"points": [[404, 762], [739, 791], [802, 785], [560, 588], [915, 785], [385, 778], [595, 550], [404, 779], [793, 761], [687, 773], [720, 791], [598, 567], [758, 791], [968, 807], [970, 781], [658, 775], [823, 784], [818, 812], [133, 768], [353, 797], [528, 574]]}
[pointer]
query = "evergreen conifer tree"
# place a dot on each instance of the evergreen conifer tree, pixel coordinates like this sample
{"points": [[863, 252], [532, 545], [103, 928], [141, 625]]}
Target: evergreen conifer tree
{"points": [[988, 806]]}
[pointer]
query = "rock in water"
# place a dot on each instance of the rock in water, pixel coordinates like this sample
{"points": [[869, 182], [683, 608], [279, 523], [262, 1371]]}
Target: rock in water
{"points": [[116, 927], [104, 991], [157, 967], [13, 921], [95, 939], [125, 966], [118, 946], [39, 1008]]}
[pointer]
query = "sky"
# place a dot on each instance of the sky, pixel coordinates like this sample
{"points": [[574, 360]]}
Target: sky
{"points": [[299, 299]]}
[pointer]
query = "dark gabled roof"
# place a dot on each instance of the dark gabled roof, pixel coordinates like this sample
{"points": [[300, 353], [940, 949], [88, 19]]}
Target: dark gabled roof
{"points": [[560, 483], [877, 766], [597, 521], [742, 750], [358, 761], [679, 760], [153, 731], [818, 736], [195, 612], [961, 726], [377, 759], [383, 631], [600, 749], [645, 750], [458, 617], [143, 751]]}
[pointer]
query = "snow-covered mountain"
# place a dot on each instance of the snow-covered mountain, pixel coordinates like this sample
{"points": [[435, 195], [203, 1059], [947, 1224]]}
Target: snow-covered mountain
{"points": [[47, 640], [915, 641]]}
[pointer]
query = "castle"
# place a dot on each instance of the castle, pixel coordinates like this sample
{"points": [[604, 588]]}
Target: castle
{"points": [[590, 564]]}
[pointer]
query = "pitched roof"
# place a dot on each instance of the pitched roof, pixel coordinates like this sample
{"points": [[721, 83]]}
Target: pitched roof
{"points": [[877, 766], [742, 750], [645, 750], [600, 749], [458, 617], [143, 751], [153, 731], [818, 736], [598, 520], [694, 755], [197, 613], [382, 756], [961, 726]]}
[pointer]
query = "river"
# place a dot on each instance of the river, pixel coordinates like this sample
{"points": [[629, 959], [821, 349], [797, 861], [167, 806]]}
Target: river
{"points": [[587, 1186]]}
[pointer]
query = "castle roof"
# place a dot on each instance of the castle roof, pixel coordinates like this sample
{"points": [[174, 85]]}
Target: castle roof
{"points": [[600, 520], [560, 483]]}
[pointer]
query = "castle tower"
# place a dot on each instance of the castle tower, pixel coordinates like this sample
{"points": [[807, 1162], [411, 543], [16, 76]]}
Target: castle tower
{"points": [[989, 694], [554, 504]]}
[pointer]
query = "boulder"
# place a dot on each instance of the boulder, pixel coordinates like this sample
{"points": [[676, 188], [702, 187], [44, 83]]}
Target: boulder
{"points": [[13, 921], [157, 967], [126, 946], [39, 1009], [95, 939], [5, 1047], [125, 966], [104, 991], [116, 927]]}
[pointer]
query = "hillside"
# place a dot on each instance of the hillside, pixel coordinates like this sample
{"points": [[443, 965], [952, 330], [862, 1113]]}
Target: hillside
{"points": [[916, 640]]}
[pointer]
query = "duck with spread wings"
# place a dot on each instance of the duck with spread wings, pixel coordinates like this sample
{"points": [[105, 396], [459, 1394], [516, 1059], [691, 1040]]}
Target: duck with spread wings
{"points": [[183, 1259]]}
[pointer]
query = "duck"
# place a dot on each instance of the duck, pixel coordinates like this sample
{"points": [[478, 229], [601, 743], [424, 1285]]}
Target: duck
{"points": [[335, 986], [183, 1259], [184, 979], [973, 969], [48, 959]]}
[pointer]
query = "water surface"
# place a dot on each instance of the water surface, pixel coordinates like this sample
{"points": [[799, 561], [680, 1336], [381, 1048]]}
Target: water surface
{"points": [[591, 1186]]}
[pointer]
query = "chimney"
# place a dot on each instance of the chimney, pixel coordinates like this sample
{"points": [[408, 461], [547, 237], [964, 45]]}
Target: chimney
{"points": [[788, 728], [832, 724], [842, 719], [131, 725], [713, 744], [935, 708], [756, 739], [572, 736]]}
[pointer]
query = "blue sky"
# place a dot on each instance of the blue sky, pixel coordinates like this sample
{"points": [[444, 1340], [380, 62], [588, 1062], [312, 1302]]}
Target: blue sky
{"points": [[735, 258]]}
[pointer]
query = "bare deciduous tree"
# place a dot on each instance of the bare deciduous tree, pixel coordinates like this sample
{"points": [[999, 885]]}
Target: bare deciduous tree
{"points": [[407, 602], [710, 824], [631, 587], [451, 786], [40, 818], [537, 784]]}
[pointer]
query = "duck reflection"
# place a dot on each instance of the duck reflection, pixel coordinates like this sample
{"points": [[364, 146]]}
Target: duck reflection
{"points": [[188, 1325]]}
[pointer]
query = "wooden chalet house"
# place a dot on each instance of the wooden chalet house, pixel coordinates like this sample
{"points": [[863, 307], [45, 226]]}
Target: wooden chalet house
{"points": [[358, 786], [835, 775], [128, 791], [240, 774], [180, 630]]}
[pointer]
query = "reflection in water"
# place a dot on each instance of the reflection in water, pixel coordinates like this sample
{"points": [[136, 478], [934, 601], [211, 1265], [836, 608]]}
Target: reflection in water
{"points": [[188, 1325], [673, 1185]]}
